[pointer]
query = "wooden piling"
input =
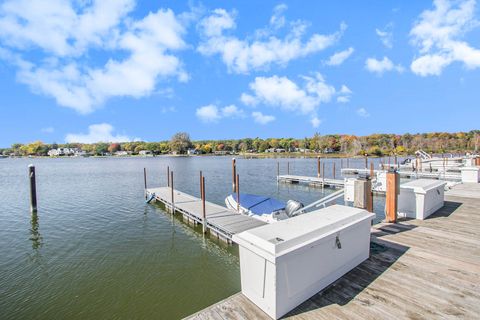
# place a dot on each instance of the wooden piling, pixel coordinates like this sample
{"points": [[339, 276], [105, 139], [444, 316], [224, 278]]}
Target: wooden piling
{"points": [[318, 167], [168, 176], [372, 172], [393, 189], [201, 184], [366, 161], [33, 188], [363, 194], [172, 192], [234, 174], [144, 180], [341, 163], [238, 192], [278, 169], [348, 162], [204, 211], [288, 167], [323, 175], [333, 170]]}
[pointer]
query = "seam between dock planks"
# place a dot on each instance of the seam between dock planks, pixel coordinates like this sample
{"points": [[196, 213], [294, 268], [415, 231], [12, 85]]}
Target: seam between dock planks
{"points": [[222, 222]]}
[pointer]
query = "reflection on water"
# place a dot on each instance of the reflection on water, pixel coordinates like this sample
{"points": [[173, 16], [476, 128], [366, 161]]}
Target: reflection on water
{"points": [[35, 235], [96, 250]]}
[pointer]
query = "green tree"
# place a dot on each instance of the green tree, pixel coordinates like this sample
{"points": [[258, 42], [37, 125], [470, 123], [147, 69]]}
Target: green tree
{"points": [[180, 142]]}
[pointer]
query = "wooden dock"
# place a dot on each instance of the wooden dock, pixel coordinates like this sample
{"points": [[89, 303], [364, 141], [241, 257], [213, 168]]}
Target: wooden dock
{"points": [[417, 270], [312, 181], [221, 221], [410, 174]]}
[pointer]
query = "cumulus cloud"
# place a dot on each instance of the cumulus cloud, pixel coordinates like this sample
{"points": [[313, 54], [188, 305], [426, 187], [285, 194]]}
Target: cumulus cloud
{"points": [[315, 121], [339, 57], [102, 132], [344, 94], [261, 118], [439, 33], [386, 35], [139, 52], [381, 66], [362, 112], [212, 113], [264, 49], [287, 95]]}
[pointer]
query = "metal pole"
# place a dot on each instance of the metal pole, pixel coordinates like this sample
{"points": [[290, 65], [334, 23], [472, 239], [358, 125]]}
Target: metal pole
{"points": [[33, 188], [238, 192], [204, 211], [171, 187]]}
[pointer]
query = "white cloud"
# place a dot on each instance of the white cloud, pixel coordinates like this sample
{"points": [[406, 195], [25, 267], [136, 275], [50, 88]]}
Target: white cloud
{"points": [[381, 66], [48, 130], [212, 113], [344, 94], [261, 118], [438, 34], [339, 57], [362, 112], [283, 93], [315, 121], [97, 133], [386, 35], [138, 51], [265, 49]]}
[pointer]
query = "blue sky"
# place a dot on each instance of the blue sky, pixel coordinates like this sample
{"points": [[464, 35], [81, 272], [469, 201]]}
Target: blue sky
{"points": [[123, 70]]}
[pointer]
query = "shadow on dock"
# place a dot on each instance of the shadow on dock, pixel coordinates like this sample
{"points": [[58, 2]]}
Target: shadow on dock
{"points": [[345, 289]]}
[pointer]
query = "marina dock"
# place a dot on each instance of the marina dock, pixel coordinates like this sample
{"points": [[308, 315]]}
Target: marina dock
{"points": [[410, 174], [417, 269], [221, 221], [312, 181]]}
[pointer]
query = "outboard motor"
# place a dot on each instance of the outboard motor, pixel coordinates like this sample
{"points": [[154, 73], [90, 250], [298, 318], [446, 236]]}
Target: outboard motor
{"points": [[293, 206]]}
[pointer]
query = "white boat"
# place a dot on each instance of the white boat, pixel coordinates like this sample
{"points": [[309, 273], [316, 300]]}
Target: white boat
{"points": [[263, 208]]}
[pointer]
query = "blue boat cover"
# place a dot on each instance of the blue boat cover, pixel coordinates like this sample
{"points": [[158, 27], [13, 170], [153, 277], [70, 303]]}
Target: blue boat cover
{"points": [[259, 204]]}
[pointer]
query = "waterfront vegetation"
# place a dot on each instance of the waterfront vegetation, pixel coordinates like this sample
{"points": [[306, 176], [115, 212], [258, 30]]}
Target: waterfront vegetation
{"points": [[333, 144]]}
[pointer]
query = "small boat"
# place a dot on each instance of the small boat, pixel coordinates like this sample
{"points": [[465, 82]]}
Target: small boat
{"points": [[262, 207]]}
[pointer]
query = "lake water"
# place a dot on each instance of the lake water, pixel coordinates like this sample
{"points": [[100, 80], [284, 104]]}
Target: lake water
{"points": [[96, 250]]}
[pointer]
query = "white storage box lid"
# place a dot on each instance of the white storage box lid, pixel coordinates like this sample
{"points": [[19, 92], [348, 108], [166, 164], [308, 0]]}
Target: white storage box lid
{"points": [[423, 185], [276, 239]]}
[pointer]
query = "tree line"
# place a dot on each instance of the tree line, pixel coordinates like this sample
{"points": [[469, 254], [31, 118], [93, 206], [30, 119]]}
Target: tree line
{"points": [[374, 144]]}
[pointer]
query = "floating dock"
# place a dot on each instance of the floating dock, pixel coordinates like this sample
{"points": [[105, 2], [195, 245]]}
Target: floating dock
{"points": [[417, 269], [409, 174], [312, 181], [222, 222]]}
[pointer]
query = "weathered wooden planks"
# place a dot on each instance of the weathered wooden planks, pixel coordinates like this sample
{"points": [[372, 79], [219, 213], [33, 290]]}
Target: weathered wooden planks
{"points": [[312, 181], [220, 220], [416, 270]]}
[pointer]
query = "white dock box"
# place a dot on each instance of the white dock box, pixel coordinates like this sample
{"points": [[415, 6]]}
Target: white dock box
{"points": [[285, 263], [470, 174], [420, 198]]}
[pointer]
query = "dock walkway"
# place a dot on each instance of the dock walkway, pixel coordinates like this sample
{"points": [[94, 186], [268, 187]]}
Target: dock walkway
{"points": [[312, 181], [417, 270], [409, 174], [220, 220]]}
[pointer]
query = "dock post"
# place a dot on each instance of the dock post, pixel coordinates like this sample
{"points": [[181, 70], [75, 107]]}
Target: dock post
{"points": [[144, 181], [318, 167], [323, 176], [288, 167], [172, 192], [201, 185], [238, 192], [366, 161], [204, 212], [363, 198], [234, 174], [393, 189], [395, 159], [348, 162], [168, 176], [278, 170], [341, 163], [372, 172], [333, 170], [33, 188]]}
